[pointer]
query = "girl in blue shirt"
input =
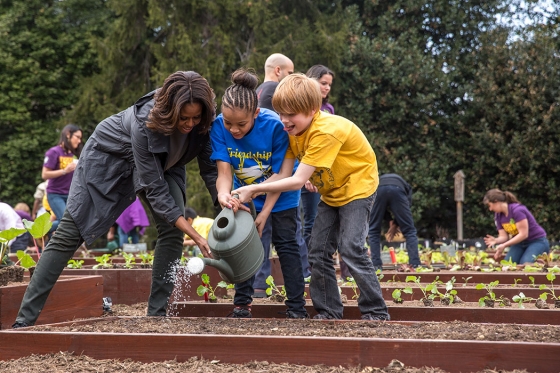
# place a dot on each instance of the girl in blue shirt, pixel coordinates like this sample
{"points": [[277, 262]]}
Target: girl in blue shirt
{"points": [[252, 141]]}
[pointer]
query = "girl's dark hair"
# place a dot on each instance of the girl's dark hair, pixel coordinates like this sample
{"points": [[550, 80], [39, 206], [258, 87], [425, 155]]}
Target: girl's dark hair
{"points": [[179, 89], [65, 136], [242, 93], [316, 72], [496, 195]]}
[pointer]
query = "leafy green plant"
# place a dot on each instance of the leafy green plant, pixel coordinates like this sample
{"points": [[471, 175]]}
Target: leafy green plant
{"points": [[206, 288], [490, 298], [38, 228], [25, 260], [146, 258], [515, 281], [521, 298], [429, 291], [129, 260], [549, 290], [273, 289], [76, 264], [5, 237], [450, 293], [397, 294], [105, 261], [352, 283]]}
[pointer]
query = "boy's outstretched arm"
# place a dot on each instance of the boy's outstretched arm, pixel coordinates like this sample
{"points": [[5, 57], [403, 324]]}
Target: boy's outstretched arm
{"points": [[295, 182]]}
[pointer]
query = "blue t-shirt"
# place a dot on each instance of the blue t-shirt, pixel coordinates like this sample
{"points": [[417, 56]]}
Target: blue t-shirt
{"points": [[256, 156]]}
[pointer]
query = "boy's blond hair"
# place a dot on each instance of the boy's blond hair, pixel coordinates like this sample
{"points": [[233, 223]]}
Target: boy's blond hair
{"points": [[297, 94]]}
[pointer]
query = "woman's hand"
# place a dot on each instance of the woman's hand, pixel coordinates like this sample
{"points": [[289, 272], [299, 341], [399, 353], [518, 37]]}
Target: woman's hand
{"points": [[489, 240], [203, 246], [499, 250], [71, 167]]}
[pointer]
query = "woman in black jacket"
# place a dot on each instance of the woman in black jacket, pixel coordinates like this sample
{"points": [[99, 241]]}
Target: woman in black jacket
{"points": [[141, 151]]}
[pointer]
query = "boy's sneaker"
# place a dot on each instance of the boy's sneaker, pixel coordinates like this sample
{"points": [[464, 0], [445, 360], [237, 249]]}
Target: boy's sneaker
{"points": [[322, 316], [294, 315], [372, 317], [241, 312]]}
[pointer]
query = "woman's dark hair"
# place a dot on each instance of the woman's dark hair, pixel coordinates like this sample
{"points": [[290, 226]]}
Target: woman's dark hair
{"points": [[65, 136], [496, 195], [316, 72], [179, 89], [242, 93]]}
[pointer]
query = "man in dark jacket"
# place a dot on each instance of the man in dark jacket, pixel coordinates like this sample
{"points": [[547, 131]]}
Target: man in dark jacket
{"points": [[394, 195], [141, 151]]}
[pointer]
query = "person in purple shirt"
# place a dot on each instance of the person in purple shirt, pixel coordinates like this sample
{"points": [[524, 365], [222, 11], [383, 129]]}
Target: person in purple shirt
{"points": [[131, 224], [517, 228], [58, 168]]}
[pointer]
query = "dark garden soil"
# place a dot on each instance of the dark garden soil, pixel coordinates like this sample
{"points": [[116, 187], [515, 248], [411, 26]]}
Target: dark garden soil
{"points": [[65, 362]]}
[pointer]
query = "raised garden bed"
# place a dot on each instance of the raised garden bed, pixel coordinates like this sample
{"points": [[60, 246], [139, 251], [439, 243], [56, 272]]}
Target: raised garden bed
{"points": [[453, 347], [472, 313], [71, 298]]}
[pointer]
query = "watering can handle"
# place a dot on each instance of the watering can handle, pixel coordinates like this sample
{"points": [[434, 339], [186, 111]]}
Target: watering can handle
{"points": [[251, 206]]}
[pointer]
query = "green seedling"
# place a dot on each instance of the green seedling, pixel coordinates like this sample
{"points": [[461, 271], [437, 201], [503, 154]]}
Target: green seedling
{"points": [[146, 258], [272, 288], [532, 280], [105, 261], [466, 280], [25, 260], [449, 296], [429, 291], [397, 294], [532, 268], [490, 296], [554, 269], [379, 274], [206, 288], [75, 264], [521, 298], [129, 260], [549, 290], [515, 281], [351, 282], [5, 237]]}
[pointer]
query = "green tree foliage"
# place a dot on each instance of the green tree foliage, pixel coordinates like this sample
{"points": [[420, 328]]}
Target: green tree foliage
{"points": [[414, 79], [43, 53]]}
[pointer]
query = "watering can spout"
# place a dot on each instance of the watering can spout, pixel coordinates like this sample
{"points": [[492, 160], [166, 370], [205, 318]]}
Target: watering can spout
{"points": [[196, 266]]}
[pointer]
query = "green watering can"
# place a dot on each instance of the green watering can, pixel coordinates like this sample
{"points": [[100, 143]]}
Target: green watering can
{"points": [[235, 244]]}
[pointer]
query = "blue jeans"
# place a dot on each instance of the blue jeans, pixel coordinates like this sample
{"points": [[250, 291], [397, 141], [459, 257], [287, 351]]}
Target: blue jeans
{"points": [[265, 270], [393, 198], [123, 236], [526, 251], [58, 204], [309, 202], [340, 227], [283, 238]]}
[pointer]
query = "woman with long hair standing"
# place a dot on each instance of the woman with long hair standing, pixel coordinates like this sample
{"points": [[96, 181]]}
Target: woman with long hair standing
{"points": [[58, 168]]}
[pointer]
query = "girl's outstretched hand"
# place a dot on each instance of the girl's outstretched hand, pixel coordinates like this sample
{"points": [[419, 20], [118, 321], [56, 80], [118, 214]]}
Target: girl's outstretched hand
{"points": [[228, 201]]}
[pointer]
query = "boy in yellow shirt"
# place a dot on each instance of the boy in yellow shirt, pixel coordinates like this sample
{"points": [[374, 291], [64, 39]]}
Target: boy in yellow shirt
{"points": [[200, 224], [336, 157]]}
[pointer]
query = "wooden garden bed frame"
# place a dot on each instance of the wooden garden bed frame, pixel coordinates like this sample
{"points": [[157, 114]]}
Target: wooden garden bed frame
{"points": [[72, 297], [450, 355]]}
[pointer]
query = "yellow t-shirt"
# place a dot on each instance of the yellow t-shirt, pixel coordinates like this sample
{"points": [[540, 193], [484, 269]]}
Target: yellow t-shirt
{"points": [[202, 226], [345, 164]]}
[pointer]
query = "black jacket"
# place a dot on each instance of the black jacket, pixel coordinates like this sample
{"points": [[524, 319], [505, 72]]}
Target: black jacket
{"points": [[123, 157]]}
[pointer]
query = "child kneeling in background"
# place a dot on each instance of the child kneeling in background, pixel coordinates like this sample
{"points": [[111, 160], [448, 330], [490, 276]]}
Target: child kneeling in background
{"points": [[337, 158]]}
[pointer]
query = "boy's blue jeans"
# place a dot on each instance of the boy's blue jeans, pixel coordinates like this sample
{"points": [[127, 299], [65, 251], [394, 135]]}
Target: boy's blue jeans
{"points": [[345, 228], [284, 240], [526, 251]]}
